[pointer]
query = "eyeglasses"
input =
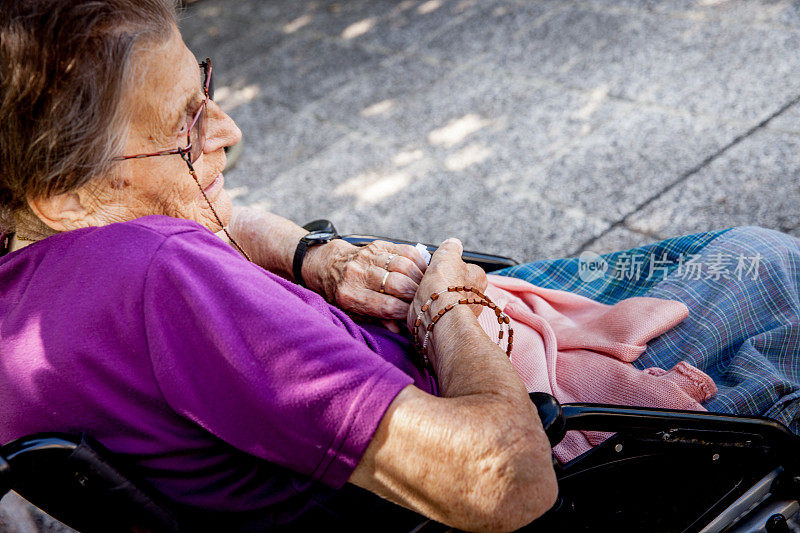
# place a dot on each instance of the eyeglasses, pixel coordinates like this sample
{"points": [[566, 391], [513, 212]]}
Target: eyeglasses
{"points": [[196, 136], [195, 140]]}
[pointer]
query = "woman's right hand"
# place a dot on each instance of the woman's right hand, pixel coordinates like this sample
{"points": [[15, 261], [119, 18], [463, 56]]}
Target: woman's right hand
{"points": [[447, 269]]}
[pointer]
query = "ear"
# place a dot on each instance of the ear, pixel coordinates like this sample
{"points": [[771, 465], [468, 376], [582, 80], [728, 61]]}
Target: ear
{"points": [[61, 212]]}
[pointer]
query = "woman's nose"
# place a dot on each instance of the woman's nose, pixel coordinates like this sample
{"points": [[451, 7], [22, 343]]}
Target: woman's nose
{"points": [[221, 130]]}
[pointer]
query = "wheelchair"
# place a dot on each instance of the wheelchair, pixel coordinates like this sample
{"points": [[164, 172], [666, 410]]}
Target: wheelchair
{"points": [[660, 470]]}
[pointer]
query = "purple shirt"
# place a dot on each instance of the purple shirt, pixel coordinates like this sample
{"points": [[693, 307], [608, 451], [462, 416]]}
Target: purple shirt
{"points": [[230, 387]]}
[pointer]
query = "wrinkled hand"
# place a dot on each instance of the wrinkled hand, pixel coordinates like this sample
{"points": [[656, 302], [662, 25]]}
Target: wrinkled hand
{"points": [[351, 276], [447, 269]]}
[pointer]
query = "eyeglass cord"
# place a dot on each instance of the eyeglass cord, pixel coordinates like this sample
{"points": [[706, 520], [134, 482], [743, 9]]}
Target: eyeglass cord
{"points": [[185, 157]]}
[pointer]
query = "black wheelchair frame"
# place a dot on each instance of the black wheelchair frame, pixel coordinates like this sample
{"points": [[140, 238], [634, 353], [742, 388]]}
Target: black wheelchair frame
{"points": [[661, 470]]}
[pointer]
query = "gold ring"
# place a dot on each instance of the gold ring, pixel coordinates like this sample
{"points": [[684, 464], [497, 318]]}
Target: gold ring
{"points": [[388, 261], [383, 283]]}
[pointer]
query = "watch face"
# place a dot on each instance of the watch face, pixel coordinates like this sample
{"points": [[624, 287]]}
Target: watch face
{"points": [[319, 237]]}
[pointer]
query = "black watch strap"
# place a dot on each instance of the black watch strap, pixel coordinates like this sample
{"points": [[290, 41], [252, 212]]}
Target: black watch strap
{"points": [[315, 238], [297, 263]]}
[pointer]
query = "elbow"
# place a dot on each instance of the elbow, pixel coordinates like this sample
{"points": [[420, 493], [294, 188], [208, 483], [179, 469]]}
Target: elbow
{"points": [[525, 499], [528, 498], [520, 486]]}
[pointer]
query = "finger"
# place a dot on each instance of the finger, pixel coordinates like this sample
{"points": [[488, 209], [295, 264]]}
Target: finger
{"points": [[452, 245], [404, 265], [393, 283], [391, 325], [402, 250], [478, 275], [447, 251], [410, 252], [371, 303]]}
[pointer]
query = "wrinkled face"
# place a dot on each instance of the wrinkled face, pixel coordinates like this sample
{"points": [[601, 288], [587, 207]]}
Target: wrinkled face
{"points": [[165, 97]]}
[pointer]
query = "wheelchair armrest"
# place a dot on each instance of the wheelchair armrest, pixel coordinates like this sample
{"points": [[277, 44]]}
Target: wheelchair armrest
{"points": [[73, 479], [667, 426], [488, 262], [671, 425]]}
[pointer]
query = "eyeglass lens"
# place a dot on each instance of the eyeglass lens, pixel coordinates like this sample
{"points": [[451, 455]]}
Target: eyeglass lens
{"points": [[197, 133], [208, 79]]}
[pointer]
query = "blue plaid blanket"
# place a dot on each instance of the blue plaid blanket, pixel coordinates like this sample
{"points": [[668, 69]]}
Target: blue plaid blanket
{"points": [[742, 288]]}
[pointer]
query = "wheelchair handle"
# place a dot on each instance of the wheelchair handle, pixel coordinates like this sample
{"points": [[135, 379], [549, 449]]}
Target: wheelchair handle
{"points": [[552, 416], [488, 262]]}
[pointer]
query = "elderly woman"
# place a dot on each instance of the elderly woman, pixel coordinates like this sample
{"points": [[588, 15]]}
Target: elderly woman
{"points": [[236, 390]]}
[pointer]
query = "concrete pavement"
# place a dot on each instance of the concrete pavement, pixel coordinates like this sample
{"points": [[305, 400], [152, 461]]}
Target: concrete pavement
{"points": [[531, 128]]}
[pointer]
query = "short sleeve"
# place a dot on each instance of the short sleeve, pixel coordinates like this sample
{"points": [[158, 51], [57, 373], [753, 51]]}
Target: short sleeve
{"points": [[250, 361]]}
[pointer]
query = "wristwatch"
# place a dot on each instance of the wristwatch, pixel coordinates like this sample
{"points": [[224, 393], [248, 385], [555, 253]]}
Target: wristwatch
{"points": [[315, 238]]}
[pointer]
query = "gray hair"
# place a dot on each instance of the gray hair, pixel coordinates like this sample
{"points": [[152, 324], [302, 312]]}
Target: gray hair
{"points": [[64, 68]]}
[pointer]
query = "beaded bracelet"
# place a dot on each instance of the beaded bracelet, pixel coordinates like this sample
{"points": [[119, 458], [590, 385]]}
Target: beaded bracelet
{"points": [[482, 299]]}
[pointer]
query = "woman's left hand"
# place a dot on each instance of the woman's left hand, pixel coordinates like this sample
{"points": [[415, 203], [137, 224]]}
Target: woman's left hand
{"points": [[377, 280]]}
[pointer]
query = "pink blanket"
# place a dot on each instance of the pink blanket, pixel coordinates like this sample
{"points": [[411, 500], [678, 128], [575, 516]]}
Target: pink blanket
{"points": [[580, 350]]}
